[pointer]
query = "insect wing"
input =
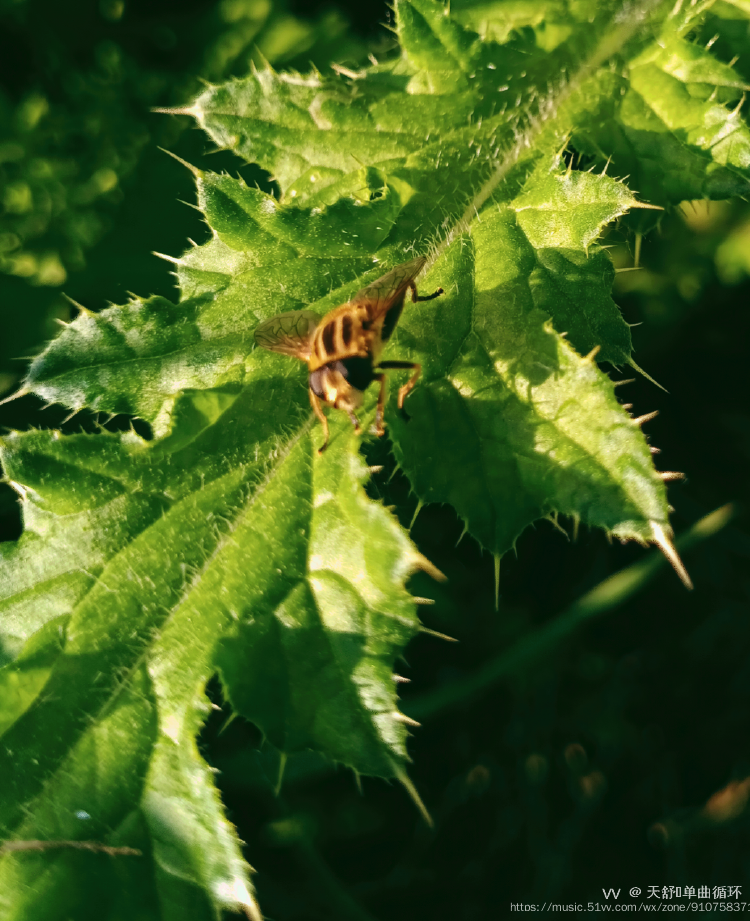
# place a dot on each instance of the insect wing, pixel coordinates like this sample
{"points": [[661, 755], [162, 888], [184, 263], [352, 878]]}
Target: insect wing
{"points": [[289, 333], [389, 290]]}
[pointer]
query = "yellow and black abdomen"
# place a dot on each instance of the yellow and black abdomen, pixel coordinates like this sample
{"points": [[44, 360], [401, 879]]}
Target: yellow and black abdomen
{"points": [[342, 334]]}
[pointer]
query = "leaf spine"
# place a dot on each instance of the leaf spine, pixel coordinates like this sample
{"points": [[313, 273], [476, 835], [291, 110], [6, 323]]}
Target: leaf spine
{"points": [[193, 169], [647, 417], [177, 110], [593, 353], [408, 785], [661, 539], [440, 636], [403, 718], [84, 310], [421, 562], [648, 377]]}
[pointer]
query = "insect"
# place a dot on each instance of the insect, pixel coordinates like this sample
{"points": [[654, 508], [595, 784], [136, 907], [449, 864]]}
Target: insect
{"points": [[342, 350]]}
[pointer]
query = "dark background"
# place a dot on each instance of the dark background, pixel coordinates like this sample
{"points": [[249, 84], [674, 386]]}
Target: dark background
{"points": [[591, 763]]}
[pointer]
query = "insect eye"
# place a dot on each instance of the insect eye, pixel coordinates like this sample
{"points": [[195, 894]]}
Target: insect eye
{"points": [[316, 382]]}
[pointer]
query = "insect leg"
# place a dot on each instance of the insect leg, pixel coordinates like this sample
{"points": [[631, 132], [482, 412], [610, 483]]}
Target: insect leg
{"points": [[379, 424], [355, 422], [409, 385], [315, 403], [428, 297]]}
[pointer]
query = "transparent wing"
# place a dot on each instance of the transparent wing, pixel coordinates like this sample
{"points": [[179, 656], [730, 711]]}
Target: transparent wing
{"points": [[385, 292], [288, 333]]}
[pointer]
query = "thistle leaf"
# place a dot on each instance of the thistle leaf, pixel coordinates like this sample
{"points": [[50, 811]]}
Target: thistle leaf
{"points": [[226, 545]]}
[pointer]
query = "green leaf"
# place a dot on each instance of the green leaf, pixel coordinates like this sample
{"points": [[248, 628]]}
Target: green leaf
{"points": [[227, 544], [674, 127], [263, 555]]}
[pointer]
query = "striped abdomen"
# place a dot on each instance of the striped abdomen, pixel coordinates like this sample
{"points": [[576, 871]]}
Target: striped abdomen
{"points": [[343, 333]]}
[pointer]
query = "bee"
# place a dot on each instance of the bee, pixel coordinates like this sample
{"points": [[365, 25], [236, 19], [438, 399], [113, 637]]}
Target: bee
{"points": [[343, 349]]}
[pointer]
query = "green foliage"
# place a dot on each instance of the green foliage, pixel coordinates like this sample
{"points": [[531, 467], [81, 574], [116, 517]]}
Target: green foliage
{"points": [[56, 205], [226, 545], [77, 139]]}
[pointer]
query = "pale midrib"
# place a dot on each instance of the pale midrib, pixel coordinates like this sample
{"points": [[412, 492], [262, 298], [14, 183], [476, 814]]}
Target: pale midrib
{"points": [[148, 651], [612, 42]]}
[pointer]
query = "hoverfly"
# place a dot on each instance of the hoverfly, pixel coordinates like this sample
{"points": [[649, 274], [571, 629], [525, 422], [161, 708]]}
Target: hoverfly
{"points": [[342, 350]]}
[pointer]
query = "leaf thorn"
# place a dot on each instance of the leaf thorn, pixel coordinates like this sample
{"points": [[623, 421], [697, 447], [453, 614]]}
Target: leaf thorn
{"points": [[669, 475], [646, 417], [648, 377], [346, 72], [403, 718], [15, 396], [421, 562], [407, 784], [554, 521], [176, 110], [84, 310], [593, 353], [661, 539], [252, 910], [646, 207], [193, 169], [440, 636]]}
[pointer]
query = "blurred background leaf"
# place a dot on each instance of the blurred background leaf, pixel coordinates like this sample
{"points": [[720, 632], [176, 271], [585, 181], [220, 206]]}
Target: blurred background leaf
{"points": [[79, 143]]}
